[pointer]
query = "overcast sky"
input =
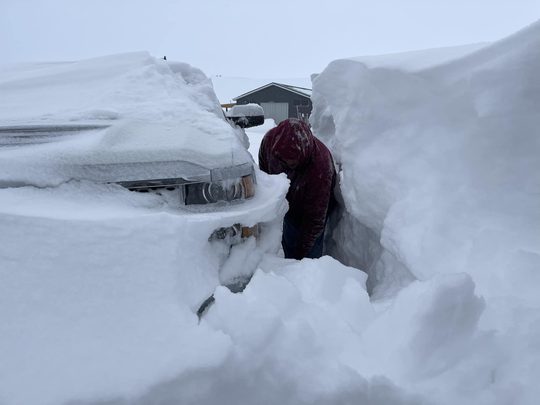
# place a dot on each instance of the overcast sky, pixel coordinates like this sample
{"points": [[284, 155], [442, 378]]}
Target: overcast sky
{"points": [[271, 38]]}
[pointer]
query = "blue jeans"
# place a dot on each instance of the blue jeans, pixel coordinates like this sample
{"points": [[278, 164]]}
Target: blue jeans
{"points": [[290, 237]]}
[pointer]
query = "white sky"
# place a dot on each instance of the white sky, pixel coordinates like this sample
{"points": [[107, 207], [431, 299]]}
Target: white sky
{"points": [[272, 38]]}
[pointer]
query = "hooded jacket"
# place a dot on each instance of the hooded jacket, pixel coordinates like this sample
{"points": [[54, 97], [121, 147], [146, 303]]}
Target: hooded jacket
{"points": [[292, 149]]}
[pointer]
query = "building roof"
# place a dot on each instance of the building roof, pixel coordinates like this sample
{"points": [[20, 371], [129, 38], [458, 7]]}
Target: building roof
{"points": [[302, 91]]}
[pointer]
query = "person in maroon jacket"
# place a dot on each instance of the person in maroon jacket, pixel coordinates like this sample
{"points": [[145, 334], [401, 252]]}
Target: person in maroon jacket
{"points": [[292, 149]]}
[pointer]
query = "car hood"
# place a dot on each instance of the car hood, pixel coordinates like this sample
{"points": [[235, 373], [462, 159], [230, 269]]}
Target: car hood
{"points": [[115, 152], [108, 119]]}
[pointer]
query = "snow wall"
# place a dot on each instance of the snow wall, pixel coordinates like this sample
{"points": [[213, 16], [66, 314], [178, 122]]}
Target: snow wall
{"points": [[440, 180]]}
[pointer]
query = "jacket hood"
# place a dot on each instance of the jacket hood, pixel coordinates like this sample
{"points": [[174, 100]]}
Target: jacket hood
{"points": [[292, 142]]}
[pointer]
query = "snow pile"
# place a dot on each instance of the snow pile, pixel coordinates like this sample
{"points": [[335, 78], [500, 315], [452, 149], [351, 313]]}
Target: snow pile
{"points": [[294, 335], [100, 287], [440, 179]]}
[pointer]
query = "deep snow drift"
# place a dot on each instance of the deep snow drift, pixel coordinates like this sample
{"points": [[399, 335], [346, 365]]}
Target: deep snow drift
{"points": [[440, 178], [100, 285]]}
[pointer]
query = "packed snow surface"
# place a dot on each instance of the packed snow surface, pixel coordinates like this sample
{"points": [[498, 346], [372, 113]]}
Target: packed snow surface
{"points": [[439, 178]]}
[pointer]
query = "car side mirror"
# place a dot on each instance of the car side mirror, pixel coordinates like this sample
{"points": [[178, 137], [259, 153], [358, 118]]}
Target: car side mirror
{"points": [[246, 115]]}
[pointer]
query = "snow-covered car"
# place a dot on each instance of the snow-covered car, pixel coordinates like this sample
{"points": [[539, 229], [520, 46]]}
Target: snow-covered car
{"points": [[101, 283], [153, 170], [246, 115], [140, 122]]}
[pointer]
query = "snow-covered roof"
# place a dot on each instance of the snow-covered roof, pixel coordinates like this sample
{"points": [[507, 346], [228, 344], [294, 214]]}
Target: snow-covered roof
{"points": [[227, 87], [302, 91], [297, 89]]}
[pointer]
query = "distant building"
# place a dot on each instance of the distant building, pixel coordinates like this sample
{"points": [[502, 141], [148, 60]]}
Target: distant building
{"points": [[280, 101]]}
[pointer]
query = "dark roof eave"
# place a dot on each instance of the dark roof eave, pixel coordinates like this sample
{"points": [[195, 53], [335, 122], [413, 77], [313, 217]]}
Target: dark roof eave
{"points": [[282, 86]]}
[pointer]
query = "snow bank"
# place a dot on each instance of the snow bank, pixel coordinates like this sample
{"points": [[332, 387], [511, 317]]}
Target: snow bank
{"points": [[440, 178], [293, 331], [100, 287]]}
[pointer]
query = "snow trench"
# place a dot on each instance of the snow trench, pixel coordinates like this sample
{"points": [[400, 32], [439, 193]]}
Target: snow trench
{"points": [[351, 241], [439, 180], [354, 244]]}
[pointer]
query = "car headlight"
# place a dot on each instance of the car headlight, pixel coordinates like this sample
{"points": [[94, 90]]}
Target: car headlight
{"points": [[225, 190]]}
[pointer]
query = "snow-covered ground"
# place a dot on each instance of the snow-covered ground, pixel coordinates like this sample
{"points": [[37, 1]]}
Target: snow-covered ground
{"points": [[440, 179]]}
